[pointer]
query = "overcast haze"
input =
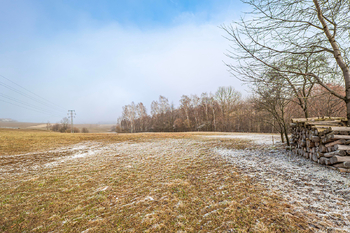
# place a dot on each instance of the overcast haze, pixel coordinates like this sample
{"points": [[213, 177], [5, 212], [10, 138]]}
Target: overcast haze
{"points": [[96, 56]]}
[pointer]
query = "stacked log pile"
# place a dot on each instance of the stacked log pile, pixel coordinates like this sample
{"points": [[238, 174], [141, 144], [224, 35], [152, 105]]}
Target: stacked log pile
{"points": [[323, 140]]}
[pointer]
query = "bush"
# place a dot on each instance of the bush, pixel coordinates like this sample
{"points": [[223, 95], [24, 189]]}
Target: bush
{"points": [[55, 127], [85, 130]]}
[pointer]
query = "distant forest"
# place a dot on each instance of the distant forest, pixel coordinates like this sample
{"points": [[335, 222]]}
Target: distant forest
{"points": [[227, 111]]}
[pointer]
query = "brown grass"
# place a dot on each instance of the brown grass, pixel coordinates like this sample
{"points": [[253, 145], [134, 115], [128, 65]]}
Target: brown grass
{"points": [[15, 141], [151, 185]]}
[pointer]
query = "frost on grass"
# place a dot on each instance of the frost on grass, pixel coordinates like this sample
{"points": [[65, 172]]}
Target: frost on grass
{"points": [[162, 185], [264, 139], [322, 193]]}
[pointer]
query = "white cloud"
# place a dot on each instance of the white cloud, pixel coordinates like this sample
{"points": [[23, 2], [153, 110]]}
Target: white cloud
{"points": [[97, 70]]}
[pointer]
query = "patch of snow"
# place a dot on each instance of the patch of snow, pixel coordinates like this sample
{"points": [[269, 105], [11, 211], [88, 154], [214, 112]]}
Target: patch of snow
{"points": [[307, 185], [149, 198], [103, 189], [264, 139], [210, 213]]}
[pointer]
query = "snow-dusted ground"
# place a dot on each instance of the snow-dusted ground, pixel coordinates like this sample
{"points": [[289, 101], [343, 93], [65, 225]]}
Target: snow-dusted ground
{"points": [[35, 160], [266, 139], [319, 192]]}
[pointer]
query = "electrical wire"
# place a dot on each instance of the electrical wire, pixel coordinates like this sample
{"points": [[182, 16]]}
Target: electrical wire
{"points": [[25, 103], [32, 93], [28, 96], [28, 108]]}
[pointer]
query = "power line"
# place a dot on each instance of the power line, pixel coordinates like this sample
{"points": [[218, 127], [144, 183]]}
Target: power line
{"points": [[28, 96], [32, 92], [28, 108], [25, 103]]}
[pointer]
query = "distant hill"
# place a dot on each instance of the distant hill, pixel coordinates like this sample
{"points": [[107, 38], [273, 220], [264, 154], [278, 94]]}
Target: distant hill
{"points": [[7, 120]]}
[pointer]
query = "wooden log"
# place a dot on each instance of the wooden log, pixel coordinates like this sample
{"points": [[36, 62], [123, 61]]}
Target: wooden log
{"points": [[325, 123], [333, 153], [342, 165], [333, 136], [310, 143], [340, 129], [316, 138], [342, 147], [303, 120], [339, 165], [341, 141], [322, 160], [330, 149], [339, 159], [323, 131], [343, 170], [341, 132], [322, 149]]}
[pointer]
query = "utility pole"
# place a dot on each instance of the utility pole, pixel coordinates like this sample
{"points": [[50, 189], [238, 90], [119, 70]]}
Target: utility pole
{"points": [[72, 115]]}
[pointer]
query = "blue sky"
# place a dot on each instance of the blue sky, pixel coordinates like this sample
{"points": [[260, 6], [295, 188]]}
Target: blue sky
{"points": [[96, 56]]}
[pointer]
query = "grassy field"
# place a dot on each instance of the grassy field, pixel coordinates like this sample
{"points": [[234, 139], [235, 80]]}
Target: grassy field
{"points": [[17, 141], [93, 128], [164, 182]]}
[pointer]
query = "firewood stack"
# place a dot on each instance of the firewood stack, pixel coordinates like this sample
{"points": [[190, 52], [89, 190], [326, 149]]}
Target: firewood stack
{"points": [[324, 140]]}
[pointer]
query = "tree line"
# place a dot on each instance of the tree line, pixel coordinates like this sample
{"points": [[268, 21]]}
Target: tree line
{"points": [[225, 111]]}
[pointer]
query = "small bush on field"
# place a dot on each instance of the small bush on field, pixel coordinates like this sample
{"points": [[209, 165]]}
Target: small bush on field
{"points": [[75, 130], [85, 130], [55, 127]]}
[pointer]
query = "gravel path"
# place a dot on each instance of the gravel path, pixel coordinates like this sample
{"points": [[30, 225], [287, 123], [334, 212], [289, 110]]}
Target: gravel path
{"points": [[319, 192]]}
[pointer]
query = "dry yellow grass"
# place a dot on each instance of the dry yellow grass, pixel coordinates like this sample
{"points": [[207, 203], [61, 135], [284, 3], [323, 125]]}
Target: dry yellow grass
{"points": [[15, 141], [146, 183]]}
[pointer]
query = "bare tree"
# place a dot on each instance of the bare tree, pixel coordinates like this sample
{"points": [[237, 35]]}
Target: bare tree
{"points": [[142, 115], [185, 106], [129, 114], [48, 125], [195, 104], [272, 98], [325, 104], [64, 125], [164, 105], [227, 98], [295, 32]]}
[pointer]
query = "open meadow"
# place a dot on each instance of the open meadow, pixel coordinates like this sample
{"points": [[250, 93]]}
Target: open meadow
{"points": [[157, 182], [92, 128]]}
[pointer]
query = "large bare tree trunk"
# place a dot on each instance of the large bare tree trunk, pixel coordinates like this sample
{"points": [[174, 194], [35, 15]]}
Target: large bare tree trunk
{"points": [[338, 57]]}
